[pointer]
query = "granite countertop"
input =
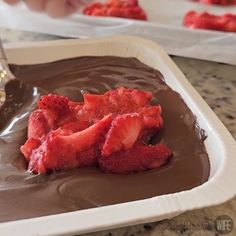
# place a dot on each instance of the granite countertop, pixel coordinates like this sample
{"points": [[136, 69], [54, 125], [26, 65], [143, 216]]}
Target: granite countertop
{"points": [[216, 83]]}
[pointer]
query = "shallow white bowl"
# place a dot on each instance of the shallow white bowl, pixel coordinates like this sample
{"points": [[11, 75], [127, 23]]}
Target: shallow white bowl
{"points": [[220, 145]]}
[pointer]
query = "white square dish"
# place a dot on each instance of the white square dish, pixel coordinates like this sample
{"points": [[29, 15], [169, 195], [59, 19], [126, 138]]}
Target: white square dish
{"points": [[221, 147]]}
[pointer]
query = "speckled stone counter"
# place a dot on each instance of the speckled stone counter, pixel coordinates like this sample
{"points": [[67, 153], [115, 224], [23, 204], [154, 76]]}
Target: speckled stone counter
{"points": [[216, 83]]}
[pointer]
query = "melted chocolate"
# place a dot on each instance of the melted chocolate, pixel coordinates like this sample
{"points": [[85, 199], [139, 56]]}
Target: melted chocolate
{"points": [[25, 195]]}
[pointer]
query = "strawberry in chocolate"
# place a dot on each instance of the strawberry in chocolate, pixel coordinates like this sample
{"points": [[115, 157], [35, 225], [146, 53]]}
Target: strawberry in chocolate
{"points": [[116, 8], [138, 158], [62, 152], [204, 20], [111, 131]]}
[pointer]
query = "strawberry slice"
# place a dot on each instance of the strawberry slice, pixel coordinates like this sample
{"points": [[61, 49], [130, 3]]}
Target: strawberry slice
{"points": [[205, 20], [84, 139], [139, 158], [123, 133], [128, 100], [55, 154], [117, 101], [72, 127], [57, 110], [54, 102], [189, 19], [38, 125], [231, 26], [116, 8], [29, 146], [219, 2], [125, 3], [59, 152], [152, 117]]}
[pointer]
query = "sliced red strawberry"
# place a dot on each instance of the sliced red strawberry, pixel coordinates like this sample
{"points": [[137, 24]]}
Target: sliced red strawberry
{"points": [[152, 117], [189, 19], [94, 5], [229, 22], [38, 125], [138, 158], [230, 26], [136, 97], [205, 20], [57, 103], [55, 154], [29, 146], [124, 3], [219, 2], [59, 152], [58, 110], [116, 8], [117, 101], [84, 139], [52, 154], [97, 105], [72, 127], [123, 133], [89, 157]]}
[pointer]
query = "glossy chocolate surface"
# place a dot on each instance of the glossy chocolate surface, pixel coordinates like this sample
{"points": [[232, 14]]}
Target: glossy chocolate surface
{"points": [[25, 195]]}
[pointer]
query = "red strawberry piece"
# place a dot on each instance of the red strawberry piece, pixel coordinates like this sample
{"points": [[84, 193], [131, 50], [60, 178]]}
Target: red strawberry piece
{"points": [[114, 3], [86, 138], [122, 3], [89, 9], [152, 122], [218, 2], [209, 21], [117, 101], [60, 152], [189, 19], [57, 103], [52, 154], [134, 97], [204, 21], [138, 158], [99, 12], [38, 125], [229, 16], [114, 11], [229, 22], [136, 13], [93, 100], [72, 127], [52, 114], [58, 110], [116, 8], [230, 26], [152, 117], [89, 157], [123, 133], [55, 154], [29, 146]]}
